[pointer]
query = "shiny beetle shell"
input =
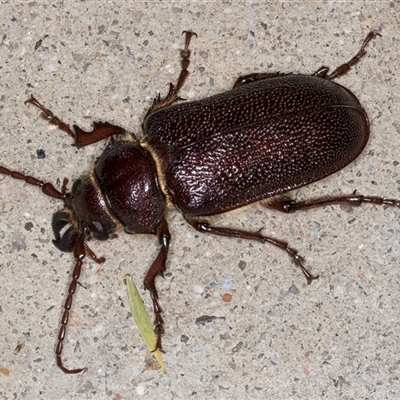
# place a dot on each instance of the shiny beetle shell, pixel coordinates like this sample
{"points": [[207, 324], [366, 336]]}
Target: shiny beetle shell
{"points": [[255, 141]]}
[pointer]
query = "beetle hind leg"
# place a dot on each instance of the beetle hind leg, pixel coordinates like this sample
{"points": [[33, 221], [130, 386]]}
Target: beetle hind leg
{"points": [[205, 227], [344, 68], [290, 206]]}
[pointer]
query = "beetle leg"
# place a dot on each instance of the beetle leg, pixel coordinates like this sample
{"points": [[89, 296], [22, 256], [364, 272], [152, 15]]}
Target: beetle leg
{"points": [[101, 130], [172, 95], [205, 227], [245, 79], [342, 69], [79, 255], [158, 268], [185, 61], [289, 206]]}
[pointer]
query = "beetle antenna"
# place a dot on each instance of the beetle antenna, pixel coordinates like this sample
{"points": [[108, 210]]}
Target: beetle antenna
{"points": [[79, 255], [47, 187], [81, 250]]}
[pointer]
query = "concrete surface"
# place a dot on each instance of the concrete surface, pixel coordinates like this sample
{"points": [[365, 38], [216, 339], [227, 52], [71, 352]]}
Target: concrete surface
{"points": [[277, 337]]}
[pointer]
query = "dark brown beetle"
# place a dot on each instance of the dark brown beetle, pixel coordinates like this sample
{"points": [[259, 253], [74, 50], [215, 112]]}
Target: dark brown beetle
{"points": [[270, 134]]}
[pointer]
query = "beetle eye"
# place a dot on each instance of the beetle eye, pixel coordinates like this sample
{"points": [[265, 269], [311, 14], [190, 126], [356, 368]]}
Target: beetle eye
{"points": [[98, 230]]}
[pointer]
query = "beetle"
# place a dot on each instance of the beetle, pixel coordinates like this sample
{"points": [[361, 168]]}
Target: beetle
{"points": [[273, 132]]}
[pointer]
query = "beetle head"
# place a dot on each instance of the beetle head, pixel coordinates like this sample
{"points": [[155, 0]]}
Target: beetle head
{"points": [[86, 212]]}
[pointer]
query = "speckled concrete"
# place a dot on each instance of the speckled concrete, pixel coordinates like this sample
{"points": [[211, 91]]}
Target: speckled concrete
{"points": [[277, 337]]}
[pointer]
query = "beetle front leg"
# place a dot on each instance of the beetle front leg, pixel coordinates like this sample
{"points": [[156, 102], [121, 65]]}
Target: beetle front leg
{"points": [[101, 130], [205, 227], [158, 268], [290, 206]]}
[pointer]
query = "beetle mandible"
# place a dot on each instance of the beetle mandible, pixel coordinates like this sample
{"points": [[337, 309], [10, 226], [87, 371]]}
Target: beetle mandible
{"points": [[273, 132]]}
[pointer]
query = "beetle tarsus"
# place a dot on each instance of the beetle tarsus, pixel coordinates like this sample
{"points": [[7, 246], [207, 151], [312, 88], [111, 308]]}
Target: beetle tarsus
{"points": [[172, 95], [159, 328], [100, 131], [185, 60], [49, 116], [344, 68], [299, 260]]}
